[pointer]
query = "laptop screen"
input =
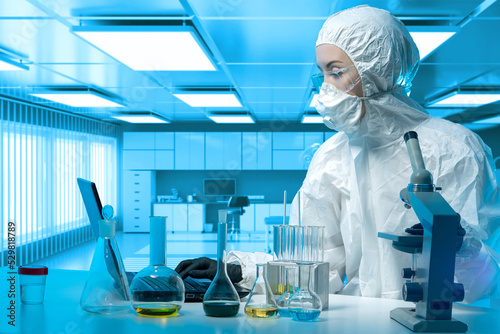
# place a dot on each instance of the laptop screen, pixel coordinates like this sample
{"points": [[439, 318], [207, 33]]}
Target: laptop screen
{"points": [[92, 203]]}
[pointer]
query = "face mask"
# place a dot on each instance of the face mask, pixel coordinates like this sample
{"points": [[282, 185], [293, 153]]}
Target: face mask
{"points": [[340, 111]]}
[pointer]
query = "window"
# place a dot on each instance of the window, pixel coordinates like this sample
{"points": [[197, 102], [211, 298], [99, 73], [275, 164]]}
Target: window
{"points": [[42, 154]]}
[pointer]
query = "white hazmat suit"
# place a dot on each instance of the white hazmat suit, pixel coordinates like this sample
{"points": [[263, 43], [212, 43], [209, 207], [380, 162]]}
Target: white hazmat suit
{"points": [[354, 179]]}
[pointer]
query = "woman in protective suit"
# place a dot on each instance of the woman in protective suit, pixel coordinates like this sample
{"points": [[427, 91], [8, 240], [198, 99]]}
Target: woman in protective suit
{"points": [[367, 60]]}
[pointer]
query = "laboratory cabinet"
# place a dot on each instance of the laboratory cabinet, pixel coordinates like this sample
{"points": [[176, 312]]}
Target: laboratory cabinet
{"points": [[264, 210], [181, 217], [257, 150], [139, 159], [139, 189], [223, 150], [220, 150], [189, 150]]}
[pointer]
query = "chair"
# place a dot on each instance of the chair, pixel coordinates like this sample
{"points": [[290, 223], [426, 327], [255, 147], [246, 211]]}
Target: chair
{"points": [[235, 207]]}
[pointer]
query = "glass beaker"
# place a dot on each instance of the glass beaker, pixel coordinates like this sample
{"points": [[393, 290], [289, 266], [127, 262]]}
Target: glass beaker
{"points": [[157, 291], [261, 302], [291, 287], [106, 289], [305, 304], [221, 298]]}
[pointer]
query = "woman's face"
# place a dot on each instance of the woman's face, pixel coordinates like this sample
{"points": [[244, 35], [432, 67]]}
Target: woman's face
{"points": [[330, 58]]}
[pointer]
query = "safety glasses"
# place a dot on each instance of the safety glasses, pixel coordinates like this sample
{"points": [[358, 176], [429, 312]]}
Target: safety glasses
{"points": [[342, 79]]}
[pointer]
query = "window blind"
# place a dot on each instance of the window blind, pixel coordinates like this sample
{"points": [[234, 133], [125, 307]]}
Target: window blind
{"points": [[43, 152]]}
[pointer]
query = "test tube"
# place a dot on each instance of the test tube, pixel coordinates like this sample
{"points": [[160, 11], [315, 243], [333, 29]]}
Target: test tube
{"points": [[277, 255]]}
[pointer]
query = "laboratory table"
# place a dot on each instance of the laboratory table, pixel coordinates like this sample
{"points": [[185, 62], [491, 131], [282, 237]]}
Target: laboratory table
{"points": [[61, 313]]}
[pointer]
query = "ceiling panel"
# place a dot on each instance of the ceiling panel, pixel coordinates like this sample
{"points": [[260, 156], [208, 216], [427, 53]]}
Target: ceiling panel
{"points": [[103, 75], [265, 41], [260, 8], [191, 79], [17, 8], [272, 95], [48, 41], [251, 76], [77, 8]]}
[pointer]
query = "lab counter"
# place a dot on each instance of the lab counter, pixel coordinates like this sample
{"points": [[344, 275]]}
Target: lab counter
{"points": [[61, 313]]}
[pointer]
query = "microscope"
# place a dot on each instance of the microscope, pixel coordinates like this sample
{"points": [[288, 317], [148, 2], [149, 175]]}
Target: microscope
{"points": [[430, 280]]}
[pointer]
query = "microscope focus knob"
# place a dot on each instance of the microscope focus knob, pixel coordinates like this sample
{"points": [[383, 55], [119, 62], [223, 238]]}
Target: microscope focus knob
{"points": [[458, 292], [407, 273], [412, 292]]}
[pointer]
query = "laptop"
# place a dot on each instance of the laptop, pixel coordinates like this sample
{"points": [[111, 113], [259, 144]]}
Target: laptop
{"points": [[195, 289]]}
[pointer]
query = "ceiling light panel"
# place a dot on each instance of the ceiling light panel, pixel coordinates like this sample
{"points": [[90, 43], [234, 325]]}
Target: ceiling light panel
{"points": [[429, 38], [140, 119], [232, 119], [466, 99], [150, 48], [210, 100], [78, 99], [9, 65], [312, 119]]}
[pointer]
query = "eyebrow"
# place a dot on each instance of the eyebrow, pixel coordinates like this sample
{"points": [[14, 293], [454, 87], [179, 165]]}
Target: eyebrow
{"points": [[330, 63]]}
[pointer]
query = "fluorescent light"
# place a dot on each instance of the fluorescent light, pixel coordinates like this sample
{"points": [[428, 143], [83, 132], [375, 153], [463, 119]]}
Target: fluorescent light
{"points": [[150, 48], [217, 100], [313, 101], [491, 120], [465, 99], [78, 98], [10, 65], [312, 119], [140, 119], [234, 119], [429, 38]]}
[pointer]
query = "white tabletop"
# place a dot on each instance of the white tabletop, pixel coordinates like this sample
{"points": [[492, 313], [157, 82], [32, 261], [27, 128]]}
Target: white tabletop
{"points": [[61, 313]]}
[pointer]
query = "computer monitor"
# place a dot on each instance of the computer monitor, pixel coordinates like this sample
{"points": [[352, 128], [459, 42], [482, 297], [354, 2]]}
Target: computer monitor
{"points": [[219, 187]]}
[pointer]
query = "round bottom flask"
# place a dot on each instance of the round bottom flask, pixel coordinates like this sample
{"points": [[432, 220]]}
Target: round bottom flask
{"points": [[157, 291], [305, 304]]}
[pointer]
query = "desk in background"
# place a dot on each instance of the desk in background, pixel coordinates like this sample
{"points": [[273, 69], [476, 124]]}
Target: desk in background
{"points": [[61, 313]]}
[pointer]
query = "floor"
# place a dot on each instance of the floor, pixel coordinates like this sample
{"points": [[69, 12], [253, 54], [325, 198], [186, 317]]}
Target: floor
{"points": [[134, 249]]}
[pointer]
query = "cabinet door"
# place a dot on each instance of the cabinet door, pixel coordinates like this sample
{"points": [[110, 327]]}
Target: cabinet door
{"points": [[135, 159], [164, 140], [164, 159], [214, 150], [232, 150], [181, 150], [138, 140], [249, 150], [329, 135], [288, 140], [164, 210], [180, 218], [195, 217], [311, 138], [287, 160], [247, 220], [261, 213], [264, 150], [197, 150]]}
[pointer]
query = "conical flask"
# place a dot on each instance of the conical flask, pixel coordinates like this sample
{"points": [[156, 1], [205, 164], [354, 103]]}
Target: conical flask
{"points": [[305, 304], [261, 302], [157, 291], [106, 289], [291, 287], [221, 299]]}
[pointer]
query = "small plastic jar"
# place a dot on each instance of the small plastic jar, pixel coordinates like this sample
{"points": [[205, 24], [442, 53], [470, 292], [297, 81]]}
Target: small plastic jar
{"points": [[32, 279]]}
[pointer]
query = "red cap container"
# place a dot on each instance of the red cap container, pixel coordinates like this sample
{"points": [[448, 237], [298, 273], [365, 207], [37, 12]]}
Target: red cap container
{"points": [[33, 270]]}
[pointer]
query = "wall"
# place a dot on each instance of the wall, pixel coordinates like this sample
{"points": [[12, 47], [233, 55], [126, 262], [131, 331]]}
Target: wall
{"points": [[491, 137], [271, 184]]}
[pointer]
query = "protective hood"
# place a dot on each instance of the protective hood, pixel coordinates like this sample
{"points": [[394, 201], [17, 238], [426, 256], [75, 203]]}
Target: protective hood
{"points": [[387, 60]]}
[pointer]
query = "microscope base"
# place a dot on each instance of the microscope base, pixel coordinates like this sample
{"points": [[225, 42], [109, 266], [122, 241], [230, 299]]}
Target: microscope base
{"points": [[408, 318]]}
